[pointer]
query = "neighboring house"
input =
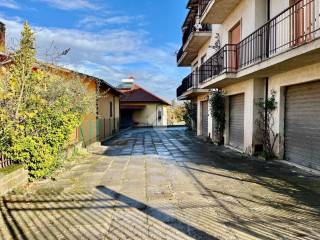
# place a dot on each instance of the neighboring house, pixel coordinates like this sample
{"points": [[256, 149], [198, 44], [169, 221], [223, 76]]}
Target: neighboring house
{"points": [[96, 126], [249, 48], [139, 107], [104, 122]]}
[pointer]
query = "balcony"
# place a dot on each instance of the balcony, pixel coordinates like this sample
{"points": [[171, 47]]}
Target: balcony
{"points": [[216, 11], [189, 87], [289, 40], [193, 39]]}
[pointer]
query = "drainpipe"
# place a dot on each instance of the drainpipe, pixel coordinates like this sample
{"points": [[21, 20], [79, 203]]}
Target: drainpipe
{"points": [[267, 78], [114, 114], [268, 28], [266, 100], [268, 10]]}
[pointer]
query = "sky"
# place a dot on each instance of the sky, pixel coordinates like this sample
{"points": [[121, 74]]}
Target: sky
{"points": [[109, 39]]}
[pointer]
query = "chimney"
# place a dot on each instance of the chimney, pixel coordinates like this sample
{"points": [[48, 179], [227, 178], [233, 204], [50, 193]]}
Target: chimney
{"points": [[2, 37], [128, 80]]}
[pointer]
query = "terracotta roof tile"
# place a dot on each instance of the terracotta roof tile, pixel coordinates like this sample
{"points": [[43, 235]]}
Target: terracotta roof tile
{"points": [[138, 94]]}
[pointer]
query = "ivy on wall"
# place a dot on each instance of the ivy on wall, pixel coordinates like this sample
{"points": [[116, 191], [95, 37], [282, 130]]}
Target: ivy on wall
{"points": [[217, 105], [265, 123]]}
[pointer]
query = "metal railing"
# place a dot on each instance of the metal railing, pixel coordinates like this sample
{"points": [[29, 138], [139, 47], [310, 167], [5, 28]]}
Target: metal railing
{"points": [[293, 27], [179, 54], [192, 29], [189, 82], [203, 5], [223, 61], [5, 162], [186, 35]]}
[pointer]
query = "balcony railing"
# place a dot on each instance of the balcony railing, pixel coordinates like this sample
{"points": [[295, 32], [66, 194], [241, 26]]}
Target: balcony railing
{"points": [[179, 54], [203, 5], [295, 26], [191, 29], [189, 82], [224, 61]]}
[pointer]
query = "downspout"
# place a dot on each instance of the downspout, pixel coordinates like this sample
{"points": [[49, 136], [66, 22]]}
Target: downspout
{"points": [[268, 10], [114, 114], [265, 105], [267, 78], [268, 28]]}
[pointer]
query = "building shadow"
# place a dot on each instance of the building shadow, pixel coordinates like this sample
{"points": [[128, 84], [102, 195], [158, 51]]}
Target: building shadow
{"points": [[104, 214]]}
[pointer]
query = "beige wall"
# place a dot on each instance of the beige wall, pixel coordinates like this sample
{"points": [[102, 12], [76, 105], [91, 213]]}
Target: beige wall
{"points": [[251, 14], [253, 89], [278, 6], [149, 115], [279, 83], [108, 125], [205, 49]]}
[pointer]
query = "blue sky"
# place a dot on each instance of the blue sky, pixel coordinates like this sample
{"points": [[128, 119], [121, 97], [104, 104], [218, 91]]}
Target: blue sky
{"points": [[110, 39]]}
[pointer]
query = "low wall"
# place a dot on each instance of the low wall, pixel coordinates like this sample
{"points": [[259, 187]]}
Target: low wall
{"points": [[13, 179]]}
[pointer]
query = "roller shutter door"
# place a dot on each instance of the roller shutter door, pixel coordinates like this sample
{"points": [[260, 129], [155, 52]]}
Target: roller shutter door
{"points": [[302, 125], [236, 121], [204, 110]]}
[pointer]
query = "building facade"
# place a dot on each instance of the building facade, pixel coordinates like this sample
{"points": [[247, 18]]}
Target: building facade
{"points": [[141, 108], [250, 49]]}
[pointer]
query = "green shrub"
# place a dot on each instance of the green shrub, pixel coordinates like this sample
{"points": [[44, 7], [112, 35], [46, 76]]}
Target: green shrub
{"points": [[39, 111], [217, 103]]}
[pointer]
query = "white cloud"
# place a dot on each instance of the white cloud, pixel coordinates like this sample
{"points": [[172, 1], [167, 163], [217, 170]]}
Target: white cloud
{"points": [[9, 4], [110, 55], [71, 4], [93, 21]]}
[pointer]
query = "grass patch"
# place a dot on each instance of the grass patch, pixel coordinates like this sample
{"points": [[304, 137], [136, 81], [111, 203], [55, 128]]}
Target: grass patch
{"points": [[9, 169]]}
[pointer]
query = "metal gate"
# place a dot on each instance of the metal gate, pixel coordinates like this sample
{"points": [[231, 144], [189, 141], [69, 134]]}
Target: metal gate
{"points": [[204, 111], [302, 125], [236, 121]]}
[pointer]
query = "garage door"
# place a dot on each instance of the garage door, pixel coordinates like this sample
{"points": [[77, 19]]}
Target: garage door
{"points": [[236, 121], [204, 110], [302, 125]]}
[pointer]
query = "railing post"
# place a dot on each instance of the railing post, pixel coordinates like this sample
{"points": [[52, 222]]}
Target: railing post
{"points": [[267, 39]]}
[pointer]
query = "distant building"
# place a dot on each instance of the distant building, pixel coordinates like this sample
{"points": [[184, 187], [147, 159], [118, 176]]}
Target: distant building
{"points": [[139, 107]]}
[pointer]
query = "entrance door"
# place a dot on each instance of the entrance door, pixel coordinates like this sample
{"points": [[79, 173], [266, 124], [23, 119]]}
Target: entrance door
{"points": [[234, 38]]}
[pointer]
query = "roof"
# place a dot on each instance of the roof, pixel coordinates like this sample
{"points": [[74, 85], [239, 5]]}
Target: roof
{"points": [[134, 93], [103, 82], [5, 59]]}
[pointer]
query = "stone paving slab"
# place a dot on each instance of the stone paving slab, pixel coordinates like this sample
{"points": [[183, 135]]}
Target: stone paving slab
{"points": [[166, 184]]}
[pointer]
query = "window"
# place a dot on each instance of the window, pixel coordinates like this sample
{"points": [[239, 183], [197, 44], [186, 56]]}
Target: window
{"points": [[111, 109]]}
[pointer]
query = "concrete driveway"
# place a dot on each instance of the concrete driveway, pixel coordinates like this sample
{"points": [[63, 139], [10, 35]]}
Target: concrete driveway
{"points": [[166, 184]]}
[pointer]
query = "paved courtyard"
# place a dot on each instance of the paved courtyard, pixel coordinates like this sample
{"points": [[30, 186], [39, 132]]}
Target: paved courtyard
{"points": [[166, 184]]}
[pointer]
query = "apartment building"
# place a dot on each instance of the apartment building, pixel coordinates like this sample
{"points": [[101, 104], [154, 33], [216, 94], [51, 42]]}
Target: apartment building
{"points": [[249, 49]]}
